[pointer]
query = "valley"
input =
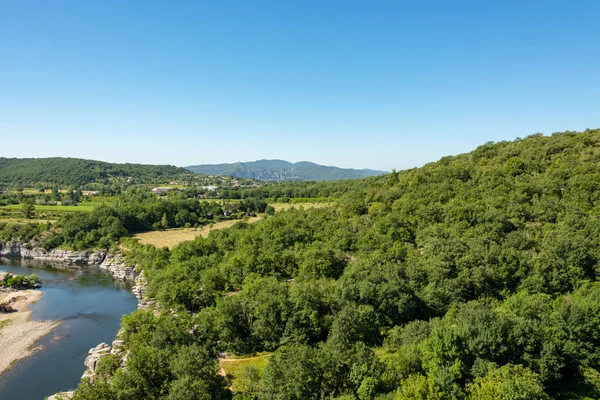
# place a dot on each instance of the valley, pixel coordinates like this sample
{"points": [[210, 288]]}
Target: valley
{"points": [[370, 288]]}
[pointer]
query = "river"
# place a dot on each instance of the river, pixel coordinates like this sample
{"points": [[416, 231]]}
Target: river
{"points": [[90, 305]]}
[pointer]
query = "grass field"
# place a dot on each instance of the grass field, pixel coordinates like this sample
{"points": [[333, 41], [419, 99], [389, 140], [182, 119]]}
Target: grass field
{"points": [[172, 237], [32, 191], [287, 206], [24, 221], [234, 368], [220, 201], [78, 208], [96, 203]]}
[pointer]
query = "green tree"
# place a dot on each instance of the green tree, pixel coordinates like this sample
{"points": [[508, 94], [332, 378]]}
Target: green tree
{"points": [[28, 208], [509, 382], [250, 382], [417, 387], [164, 222], [56, 194], [196, 377], [294, 373], [98, 389]]}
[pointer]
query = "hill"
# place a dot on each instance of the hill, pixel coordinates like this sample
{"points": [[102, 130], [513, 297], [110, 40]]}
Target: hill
{"points": [[77, 172], [280, 170], [474, 277]]}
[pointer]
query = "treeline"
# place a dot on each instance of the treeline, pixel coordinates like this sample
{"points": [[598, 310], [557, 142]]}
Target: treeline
{"points": [[20, 282], [475, 277], [107, 224], [292, 190], [21, 232]]}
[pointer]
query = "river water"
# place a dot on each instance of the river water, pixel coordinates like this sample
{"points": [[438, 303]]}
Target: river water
{"points": [[90, 305]]}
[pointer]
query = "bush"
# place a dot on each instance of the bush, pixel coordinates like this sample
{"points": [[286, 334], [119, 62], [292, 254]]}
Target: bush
{"points": [[20, 281], [108, 364]]}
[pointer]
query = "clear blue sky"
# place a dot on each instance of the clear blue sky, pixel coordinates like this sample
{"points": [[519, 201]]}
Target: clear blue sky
{"points": [[370, 84]]}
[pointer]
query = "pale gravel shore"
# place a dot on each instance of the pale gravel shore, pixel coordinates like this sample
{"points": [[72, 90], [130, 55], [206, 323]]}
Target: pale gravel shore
{"points": [[17, 339]]}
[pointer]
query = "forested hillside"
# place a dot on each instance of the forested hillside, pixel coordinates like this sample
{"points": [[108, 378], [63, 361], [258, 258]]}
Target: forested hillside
{"points": [[77, 172], [475, 277], [279, 170]]}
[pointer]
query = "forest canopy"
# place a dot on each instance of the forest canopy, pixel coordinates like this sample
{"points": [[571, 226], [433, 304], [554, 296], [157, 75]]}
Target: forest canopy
{"points": [[474, 277], [78, 172]]}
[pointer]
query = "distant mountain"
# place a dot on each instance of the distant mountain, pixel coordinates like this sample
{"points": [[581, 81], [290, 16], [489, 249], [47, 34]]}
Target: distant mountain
{"points": [[279, 170], [76, 171]]}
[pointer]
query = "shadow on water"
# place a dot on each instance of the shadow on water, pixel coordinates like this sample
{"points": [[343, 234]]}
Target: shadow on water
{"points": [[89, 304]]}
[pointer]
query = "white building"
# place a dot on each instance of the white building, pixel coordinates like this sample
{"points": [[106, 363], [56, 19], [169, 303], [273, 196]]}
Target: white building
{"points": [[160, 190]]}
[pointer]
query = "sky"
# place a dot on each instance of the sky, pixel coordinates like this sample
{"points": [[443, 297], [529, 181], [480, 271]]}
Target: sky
{"points": [[359, 84]]}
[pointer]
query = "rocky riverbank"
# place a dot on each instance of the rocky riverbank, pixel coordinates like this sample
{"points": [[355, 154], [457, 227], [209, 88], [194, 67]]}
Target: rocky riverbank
{"points": [[20, 333], [116, 265], [91, 362], [113, 263], [31, 252]]}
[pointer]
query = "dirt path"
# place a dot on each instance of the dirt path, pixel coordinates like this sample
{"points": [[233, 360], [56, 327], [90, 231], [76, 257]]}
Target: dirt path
{"points": [[242, 359]]}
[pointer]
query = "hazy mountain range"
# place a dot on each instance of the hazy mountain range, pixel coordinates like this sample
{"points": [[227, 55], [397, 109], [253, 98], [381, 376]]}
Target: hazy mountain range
{"points": [[280, 170]]}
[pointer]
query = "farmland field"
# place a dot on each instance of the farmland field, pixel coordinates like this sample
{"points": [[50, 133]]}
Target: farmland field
{"points": [[287, 206], [25, 221], [172, 237], [38, 207], [221, 200]]}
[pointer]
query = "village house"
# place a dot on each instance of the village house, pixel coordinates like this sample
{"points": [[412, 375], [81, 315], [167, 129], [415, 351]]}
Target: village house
{"points": [[161, 190]]}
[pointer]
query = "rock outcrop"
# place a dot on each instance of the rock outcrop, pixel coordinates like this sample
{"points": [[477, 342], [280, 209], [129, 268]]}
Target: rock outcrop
{"points": [[139, 289], [94, 355], [26, 251], [113, 263], [101, 350], [61, 396], [116, 265]]}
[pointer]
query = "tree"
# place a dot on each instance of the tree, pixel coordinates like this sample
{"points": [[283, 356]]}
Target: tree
{"points": [[164, 222], [250, 381], [56, 193], [99, 389], [509, 382], [293, 373], [196, 377], [28, 208]]}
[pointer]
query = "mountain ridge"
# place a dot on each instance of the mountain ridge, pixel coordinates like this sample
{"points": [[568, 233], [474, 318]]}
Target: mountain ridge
{"points": [[282, 170], [79, 171]]}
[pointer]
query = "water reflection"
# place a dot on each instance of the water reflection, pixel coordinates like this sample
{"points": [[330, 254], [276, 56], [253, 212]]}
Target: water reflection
{"points": [[90, 305]]}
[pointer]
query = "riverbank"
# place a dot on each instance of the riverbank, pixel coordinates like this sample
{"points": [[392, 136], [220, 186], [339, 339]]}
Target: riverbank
{"points": [[88, 302], [32, 250], [19, 333]]}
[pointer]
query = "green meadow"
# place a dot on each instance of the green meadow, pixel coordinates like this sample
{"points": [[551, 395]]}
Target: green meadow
{"points": [[38, 207]]}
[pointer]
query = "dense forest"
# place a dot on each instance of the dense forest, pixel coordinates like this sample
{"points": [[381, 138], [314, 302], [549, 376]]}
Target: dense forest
{"points": [[284, 191], [77, 172], [474, 277], [280, 170]]}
